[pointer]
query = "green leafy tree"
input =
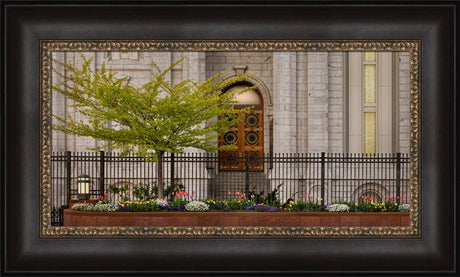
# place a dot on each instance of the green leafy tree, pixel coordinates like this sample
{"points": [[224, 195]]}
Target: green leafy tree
{"points": [[156, 118]]}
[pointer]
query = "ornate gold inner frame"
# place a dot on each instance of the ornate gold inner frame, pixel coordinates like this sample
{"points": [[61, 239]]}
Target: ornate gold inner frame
{"points": [[48, 231]]}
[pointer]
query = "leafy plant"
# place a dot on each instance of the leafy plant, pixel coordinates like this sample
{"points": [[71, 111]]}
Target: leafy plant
{"points": [[302, 206], [140, 206], [271, 198], [171, 192], [145, 191], [122, 191], [179, 200]]}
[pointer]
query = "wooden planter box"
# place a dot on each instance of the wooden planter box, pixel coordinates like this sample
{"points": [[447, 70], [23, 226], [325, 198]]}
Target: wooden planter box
{"points": [[77, 218]]}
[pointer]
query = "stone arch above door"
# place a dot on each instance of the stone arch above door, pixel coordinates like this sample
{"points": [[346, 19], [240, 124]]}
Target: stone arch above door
{"points": [[261, 87]]}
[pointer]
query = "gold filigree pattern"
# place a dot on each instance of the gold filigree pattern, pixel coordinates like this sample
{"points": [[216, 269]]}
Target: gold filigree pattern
{"points": [[48, 231]]}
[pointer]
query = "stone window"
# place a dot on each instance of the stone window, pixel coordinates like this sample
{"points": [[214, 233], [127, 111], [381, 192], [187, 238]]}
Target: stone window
{"points": [[371, 100]]}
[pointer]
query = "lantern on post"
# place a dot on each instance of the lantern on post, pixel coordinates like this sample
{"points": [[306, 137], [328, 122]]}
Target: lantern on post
{"points": [[83, 182]]}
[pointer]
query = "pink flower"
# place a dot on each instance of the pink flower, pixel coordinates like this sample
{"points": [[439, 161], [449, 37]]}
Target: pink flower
{"points": [[308, 202], [397, 197], [191, 197], [305, 196], [172, 193], [370, 198], [193, 192], [237, 193], [106, 196], [311, 196], [219, 198], [229, 192], [166, 198], [252, 196]]}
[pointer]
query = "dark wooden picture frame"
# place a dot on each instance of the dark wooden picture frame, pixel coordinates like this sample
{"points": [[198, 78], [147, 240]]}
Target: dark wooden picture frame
{"points": [[26, 24]]}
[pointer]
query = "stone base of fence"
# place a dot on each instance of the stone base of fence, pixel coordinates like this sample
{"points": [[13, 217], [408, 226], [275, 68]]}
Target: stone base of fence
{"points": [[78, 218]]}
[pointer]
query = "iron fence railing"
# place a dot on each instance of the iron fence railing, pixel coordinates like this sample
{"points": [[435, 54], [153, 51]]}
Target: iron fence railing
{"points": [[330, 177]]}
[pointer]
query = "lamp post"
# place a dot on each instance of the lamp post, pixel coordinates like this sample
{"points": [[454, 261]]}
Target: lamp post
{"points": [[83, 182]]}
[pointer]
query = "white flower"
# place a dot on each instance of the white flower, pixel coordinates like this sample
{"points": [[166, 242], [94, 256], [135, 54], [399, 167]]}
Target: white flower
{"points": [[338, 208], [81, 207], [161, 202], [404, 208], [85, 207], [197, 206]]}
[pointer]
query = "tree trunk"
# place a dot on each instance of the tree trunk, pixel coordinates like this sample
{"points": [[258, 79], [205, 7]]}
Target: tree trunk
{"points": [[160, 175]]}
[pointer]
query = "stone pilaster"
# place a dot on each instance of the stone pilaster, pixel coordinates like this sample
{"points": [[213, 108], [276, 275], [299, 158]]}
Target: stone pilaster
{"points": [[318, 102], [335, 102], [284, 102], [302, 102]]}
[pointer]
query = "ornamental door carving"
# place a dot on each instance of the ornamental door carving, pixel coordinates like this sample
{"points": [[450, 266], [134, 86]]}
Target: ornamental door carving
{"points": [[247, 136]]}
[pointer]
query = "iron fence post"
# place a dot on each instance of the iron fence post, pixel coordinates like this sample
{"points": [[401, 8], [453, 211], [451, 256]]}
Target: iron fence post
{"points": [[68, 175], [102, 173], [172, 168], [398, 177], [247, 174], [323, 173]]}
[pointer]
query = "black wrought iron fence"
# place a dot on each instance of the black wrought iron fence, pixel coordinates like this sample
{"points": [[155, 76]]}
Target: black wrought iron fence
{"points": [[323, 177]]}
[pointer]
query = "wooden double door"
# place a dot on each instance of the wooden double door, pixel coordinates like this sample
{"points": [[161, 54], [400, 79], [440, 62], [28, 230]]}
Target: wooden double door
{"points": [[248, 137]]}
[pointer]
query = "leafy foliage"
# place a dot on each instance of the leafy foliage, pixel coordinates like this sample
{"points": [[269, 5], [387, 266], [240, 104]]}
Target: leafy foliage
{"points": [[172, 190], [145, 191], [304, 206], [122, 191], [271, 198]]}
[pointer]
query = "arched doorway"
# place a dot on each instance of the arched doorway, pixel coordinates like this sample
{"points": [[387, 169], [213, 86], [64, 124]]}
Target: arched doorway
{"points": [[247, 135]]}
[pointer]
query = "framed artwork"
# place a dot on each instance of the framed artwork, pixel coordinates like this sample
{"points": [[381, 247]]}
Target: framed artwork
{"points": [[420, 39]]}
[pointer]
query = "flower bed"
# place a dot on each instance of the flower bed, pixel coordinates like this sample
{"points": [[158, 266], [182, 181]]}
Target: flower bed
{"points": [[180, 209], [250, 218], [181, 201]]}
